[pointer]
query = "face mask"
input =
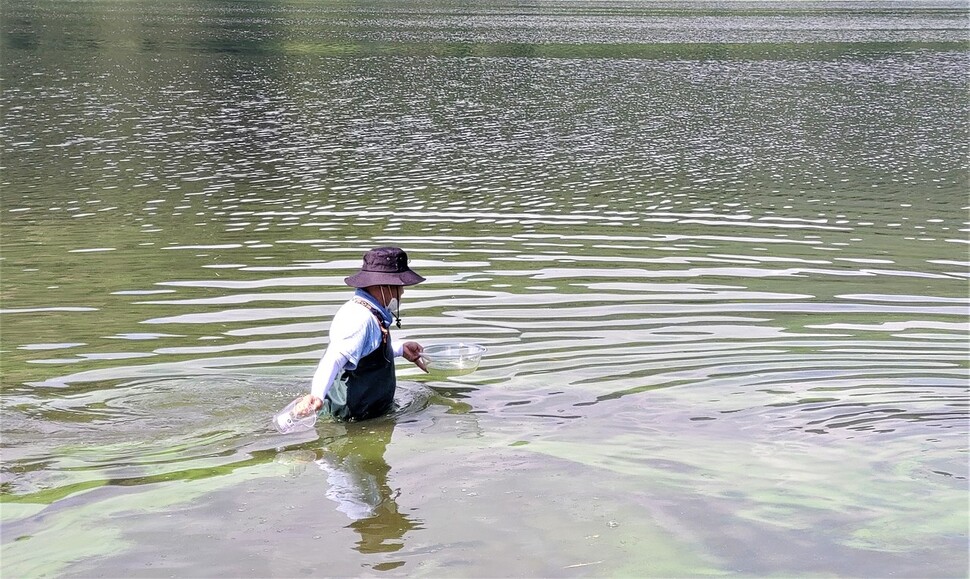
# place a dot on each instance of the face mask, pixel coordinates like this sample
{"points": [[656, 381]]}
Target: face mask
{"points": [[394, 306]]}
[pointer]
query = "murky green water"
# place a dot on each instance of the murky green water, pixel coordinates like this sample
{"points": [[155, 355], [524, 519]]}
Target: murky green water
{"points": [[717, 252]]}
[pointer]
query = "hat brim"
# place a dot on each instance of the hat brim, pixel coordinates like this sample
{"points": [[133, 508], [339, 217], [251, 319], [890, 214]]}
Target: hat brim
{"points": [[363, 279]]}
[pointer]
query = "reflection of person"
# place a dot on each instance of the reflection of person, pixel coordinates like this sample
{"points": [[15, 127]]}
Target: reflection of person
{"points": [[357, 474], [355, 379]]}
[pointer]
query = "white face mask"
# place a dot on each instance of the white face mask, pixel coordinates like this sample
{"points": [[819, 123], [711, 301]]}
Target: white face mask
{"points": [[394, 306]]}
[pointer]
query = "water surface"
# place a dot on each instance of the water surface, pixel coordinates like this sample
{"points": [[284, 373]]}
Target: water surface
{"points": [[717, 252]]}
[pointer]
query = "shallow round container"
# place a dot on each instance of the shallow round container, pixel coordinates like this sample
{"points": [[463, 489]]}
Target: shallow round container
{"points": [[457, 359]]}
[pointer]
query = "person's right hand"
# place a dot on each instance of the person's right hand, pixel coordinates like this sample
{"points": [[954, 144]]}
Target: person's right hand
{"points": [[307, 405]]}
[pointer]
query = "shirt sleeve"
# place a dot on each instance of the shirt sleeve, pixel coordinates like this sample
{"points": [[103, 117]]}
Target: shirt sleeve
{"points": [[330, 365]]}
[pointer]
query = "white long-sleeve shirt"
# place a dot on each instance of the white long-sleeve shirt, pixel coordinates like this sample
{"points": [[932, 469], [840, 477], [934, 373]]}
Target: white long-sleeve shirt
{"points": [[354, 333]]}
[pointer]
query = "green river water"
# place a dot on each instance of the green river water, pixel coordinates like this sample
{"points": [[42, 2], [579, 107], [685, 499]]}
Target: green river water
{"points": [[717, 251]]}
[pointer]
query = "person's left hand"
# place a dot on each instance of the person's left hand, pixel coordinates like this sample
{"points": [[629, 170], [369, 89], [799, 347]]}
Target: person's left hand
{"points": [[412, 353]]}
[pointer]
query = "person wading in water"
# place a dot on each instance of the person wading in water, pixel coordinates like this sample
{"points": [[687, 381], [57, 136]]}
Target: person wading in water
{"points": [[355, 379]]}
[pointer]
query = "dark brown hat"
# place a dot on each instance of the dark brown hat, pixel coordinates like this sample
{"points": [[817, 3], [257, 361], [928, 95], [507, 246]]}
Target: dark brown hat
{"points": [[384, 266]]}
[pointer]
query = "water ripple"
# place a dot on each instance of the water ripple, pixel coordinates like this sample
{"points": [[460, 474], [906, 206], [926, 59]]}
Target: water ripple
{"points": [[704, 249]]}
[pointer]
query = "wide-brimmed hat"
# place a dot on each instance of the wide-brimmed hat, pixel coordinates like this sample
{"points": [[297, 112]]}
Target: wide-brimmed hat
{"points": [[384, 266]]}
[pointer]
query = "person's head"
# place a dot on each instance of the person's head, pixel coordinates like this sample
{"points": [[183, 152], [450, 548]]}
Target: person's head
{"points": [[384, 275]]}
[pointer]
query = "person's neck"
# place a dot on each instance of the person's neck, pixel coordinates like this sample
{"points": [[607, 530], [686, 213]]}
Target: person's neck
{"points": [[373, 300]]}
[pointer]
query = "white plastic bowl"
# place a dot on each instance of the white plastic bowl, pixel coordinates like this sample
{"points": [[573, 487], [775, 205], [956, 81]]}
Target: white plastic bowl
{"points": [[457, 359]]}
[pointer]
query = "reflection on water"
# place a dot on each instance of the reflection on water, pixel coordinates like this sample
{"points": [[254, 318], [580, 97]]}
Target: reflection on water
{"points": [[717, 252], [356, 481], [357, 474]]}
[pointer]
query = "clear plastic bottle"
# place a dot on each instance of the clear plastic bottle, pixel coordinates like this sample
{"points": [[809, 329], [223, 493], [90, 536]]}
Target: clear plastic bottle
{"points": [[288, 420]]}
